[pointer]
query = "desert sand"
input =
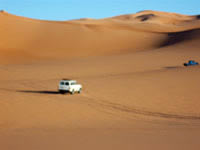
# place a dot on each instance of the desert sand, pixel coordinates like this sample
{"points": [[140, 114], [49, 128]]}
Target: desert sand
{"points": [[136, 92]]}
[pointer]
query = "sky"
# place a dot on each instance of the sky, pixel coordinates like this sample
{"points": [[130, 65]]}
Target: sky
{"points": [[75, 9]]}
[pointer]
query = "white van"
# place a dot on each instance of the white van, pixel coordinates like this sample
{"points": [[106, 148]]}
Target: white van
{"points": [[70, 86]]}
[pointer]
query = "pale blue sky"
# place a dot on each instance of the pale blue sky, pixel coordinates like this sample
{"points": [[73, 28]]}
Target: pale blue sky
{"points": [[74, 9]]}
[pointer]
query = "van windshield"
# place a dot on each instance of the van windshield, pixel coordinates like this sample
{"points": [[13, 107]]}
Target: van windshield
{"points": [[64, 83]]}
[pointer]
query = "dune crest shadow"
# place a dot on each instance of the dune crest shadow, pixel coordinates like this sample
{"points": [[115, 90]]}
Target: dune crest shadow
{"points": [[39, 92], [178, 37]]}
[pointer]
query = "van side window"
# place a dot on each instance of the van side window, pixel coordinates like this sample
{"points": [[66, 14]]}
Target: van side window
{"points": [[66, 83]]}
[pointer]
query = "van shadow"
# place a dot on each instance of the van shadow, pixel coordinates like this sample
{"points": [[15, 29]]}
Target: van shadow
{"points": [[39, 92], [172, 67]]}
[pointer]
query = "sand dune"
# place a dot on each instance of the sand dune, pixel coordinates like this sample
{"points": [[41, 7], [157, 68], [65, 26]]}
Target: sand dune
{"points": [[137, 93], [23, 39]]}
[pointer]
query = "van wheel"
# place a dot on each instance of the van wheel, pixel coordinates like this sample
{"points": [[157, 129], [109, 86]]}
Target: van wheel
{"points": [[72, 92], [79, 91]]}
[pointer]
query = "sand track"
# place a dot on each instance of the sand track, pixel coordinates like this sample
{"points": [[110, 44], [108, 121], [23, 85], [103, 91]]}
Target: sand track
{"points": [[135, 111]]}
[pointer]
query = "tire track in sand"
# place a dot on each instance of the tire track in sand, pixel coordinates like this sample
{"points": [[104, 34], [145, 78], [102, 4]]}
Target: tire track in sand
{"points": [[131, 110]]}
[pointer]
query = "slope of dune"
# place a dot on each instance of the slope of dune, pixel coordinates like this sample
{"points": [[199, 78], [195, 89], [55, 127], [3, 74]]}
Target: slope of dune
{"points": [[136, 92], [37, 39], [23, 39]]}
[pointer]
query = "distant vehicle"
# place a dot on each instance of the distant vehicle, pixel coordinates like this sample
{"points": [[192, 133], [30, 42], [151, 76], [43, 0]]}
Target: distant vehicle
{"points": [[70, 86], [191, 63]]}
